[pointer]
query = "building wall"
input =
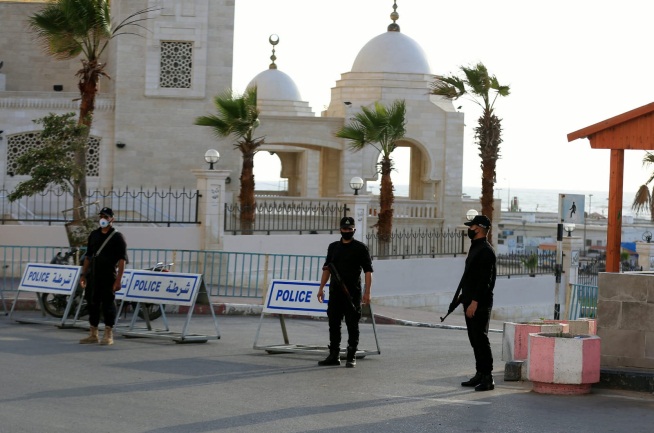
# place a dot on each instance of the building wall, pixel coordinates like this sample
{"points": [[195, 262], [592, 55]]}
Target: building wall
{"points": [[26, 66], [625, 320], [156, 123]]}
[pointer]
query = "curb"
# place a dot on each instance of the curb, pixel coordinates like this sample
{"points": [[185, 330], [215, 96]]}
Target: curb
{"points": [[631, 380]]}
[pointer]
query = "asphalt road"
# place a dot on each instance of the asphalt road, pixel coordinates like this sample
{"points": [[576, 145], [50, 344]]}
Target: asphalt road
{"points": [[52, 384]]}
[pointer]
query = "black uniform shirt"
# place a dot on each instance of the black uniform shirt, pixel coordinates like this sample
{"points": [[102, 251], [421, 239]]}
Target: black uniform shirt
{"points": [[113, 251], [478, 279], [349, 258]]}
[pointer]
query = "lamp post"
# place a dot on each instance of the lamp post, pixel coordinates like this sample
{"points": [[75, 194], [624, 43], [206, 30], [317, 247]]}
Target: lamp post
{"points": [[211, 156], [471, 214], [356, 183], [569, 227]]}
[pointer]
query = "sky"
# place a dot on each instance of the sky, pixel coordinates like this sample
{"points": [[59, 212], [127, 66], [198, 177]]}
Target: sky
{"points": [[569, 64]]}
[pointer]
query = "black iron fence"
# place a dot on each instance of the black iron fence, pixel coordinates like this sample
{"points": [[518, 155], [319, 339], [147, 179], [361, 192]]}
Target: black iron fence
{"points": [[298, 217], [417, 243], [541, 263], [157, 206]]}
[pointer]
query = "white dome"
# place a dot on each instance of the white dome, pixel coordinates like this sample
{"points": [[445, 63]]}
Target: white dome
{"points": [[392, 52], [273, 84]]}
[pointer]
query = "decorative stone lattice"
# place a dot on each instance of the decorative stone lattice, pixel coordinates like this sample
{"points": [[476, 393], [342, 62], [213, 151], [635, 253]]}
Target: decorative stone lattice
{"points": [[176, 65], [18, 144]]}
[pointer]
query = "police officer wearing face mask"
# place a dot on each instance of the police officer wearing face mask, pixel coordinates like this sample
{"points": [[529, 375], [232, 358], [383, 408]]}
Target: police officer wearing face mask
{"points": [[348, 258], [477, 286], [104, 263]]}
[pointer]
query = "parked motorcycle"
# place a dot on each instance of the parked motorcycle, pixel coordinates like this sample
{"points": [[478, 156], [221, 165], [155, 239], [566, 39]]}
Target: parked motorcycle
{"points": [[55, 305]]}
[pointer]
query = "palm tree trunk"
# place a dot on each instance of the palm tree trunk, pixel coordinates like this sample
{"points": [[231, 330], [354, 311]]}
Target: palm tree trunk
{"points": [[88, 87], [386, 199], [246, 197], [489, 136]]}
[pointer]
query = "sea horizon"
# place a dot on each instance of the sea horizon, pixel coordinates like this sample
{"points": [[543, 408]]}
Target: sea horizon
{"points": [[537, 200]]}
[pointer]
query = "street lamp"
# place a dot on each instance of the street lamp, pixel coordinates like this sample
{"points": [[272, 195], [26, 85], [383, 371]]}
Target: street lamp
{"points": [[569, 227], [211, 156], [356, 183], [471, 214]]}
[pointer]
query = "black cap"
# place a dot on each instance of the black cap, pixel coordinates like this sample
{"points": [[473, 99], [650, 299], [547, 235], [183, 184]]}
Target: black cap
{"points": [[479, 220], [106, 211], [347, 223]]}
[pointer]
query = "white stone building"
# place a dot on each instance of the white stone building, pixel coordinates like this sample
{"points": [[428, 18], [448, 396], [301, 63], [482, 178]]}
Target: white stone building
{"points": [[144, 132]]}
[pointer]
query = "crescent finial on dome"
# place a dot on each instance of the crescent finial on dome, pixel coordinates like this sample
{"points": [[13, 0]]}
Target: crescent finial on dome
{"points": [[274, 40], [394, 27]]}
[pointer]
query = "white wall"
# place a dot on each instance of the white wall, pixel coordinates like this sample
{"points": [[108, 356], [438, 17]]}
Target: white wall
{"points": [[173, 238]]}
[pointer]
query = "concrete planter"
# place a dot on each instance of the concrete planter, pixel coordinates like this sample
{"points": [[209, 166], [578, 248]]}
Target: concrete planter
{"points": [[578, 326], [515, 339], [563, 363]]}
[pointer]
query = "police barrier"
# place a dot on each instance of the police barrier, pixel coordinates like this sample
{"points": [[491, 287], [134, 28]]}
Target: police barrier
{"points": [[166, 288], [299, 298], [48, 278]]}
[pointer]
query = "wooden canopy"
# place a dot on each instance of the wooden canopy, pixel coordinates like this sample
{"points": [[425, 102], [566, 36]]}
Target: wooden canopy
{"points": [[631, 130]]}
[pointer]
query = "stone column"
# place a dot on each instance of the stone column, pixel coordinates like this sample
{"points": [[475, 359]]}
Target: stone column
{"points": [[211, 207], [3, 82], [572, 246], [357, 206], [645, 252]]}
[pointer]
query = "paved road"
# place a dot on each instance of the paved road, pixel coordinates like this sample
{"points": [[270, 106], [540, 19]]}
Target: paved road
{"points": [[52, 384]]}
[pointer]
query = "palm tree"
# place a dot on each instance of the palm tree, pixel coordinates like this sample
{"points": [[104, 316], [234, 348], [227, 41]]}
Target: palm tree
{"points": [[484, 89], [238, 115], [70, 28], [643, 199], [384, 126]]}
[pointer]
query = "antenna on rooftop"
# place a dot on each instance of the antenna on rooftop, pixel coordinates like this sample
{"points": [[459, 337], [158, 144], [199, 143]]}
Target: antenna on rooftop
{"points": [[274, 40], [394, 27]]}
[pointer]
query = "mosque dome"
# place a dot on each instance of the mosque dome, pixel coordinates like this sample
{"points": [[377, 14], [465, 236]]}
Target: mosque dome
{"points": [[275, 85], [392, 52]]}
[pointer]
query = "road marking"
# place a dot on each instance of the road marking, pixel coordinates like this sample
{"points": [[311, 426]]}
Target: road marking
{"points": [[12, 339], [439, 400]]}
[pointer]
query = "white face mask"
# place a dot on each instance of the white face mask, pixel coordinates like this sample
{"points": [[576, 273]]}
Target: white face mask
{"points": [[104, 223]]}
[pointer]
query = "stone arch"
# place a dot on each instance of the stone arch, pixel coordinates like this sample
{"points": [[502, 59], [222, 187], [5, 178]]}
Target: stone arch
{"points": [[421, 186]]}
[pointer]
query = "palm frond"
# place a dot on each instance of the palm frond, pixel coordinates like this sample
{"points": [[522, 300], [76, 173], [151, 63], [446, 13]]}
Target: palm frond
{"points": [[642, 199]]}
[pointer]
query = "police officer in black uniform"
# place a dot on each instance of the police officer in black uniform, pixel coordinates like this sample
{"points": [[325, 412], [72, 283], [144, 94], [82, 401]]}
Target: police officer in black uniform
{"points": [[104, 263], [477, 286], [349, 257]]}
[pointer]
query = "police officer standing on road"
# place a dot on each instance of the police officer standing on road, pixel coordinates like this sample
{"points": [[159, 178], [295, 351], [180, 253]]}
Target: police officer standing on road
{"points": [[345, 260], [477, 286], [106, 255]]}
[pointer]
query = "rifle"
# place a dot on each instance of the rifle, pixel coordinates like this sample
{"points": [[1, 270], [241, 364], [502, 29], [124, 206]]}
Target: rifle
{"points": [[456, 301], [337, 279]]}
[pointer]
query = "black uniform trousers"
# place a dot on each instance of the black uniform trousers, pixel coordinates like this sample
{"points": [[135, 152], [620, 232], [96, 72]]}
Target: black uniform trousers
{"points": [[339, 307], [100, 297], [478, 336]]}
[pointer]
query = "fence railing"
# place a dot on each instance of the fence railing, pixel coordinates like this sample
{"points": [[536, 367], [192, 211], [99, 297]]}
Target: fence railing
{"points": [[405, 208], [288, 215], [157, 206], [244, 275], [541, 263], [417, 243], [583, 302]]}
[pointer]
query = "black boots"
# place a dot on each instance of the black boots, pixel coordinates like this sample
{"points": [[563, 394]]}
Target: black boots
{"points": [[486, 384], [351, 357], [334, 358], [474, 381]]}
